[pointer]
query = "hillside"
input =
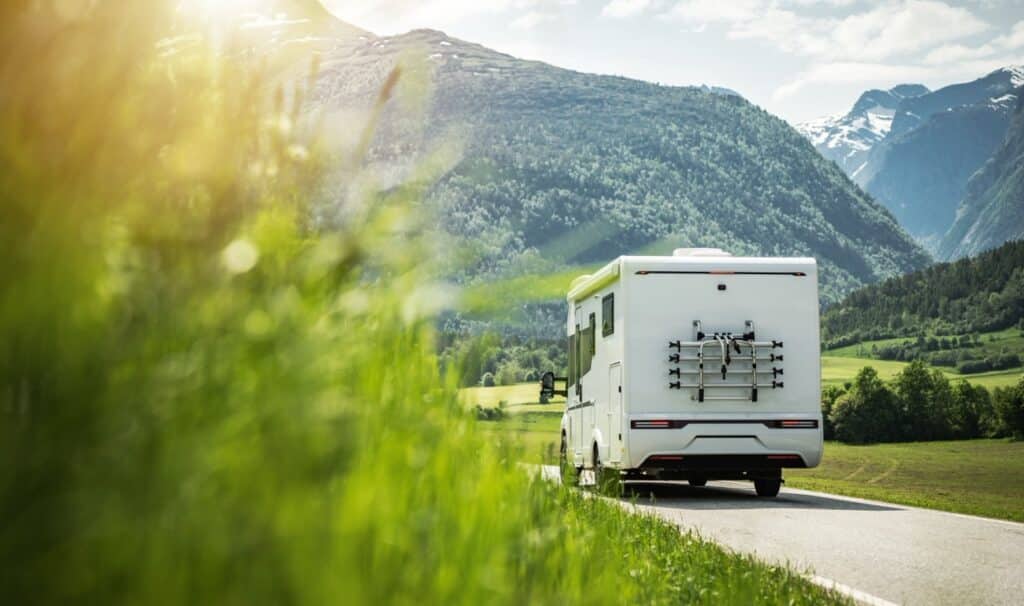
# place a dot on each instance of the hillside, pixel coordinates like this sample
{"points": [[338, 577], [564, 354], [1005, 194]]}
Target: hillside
{"points": [[564, 168], [923, 173], [915, 151], [978, 294], [993, 210]]}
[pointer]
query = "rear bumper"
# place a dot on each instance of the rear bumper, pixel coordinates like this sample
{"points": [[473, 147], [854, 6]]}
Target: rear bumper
{"points": [[724, 444], [730, 462]]}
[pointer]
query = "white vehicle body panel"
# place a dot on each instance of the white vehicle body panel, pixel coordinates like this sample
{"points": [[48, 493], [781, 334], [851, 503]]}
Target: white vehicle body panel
{"points": [[656, 301]]}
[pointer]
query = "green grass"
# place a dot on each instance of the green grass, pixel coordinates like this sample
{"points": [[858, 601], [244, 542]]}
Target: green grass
{"points": [[536, 434], [674, 568], [514, 395], [836, 370], [980, 477]]}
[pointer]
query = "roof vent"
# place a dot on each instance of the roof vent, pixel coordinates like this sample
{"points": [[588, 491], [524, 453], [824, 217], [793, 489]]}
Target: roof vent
{"points": [[700, 252]]}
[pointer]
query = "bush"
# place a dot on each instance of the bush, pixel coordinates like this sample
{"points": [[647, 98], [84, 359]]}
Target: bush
{"points": [[973, 367], [1009, 407], [829, 396], [489, 414], [487, 380]]}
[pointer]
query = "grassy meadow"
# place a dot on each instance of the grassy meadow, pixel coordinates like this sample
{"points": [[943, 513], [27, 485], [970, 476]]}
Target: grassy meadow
{"points": [[836, 370], [979, 477]]}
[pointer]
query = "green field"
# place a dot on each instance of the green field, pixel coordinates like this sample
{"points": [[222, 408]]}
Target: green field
{"points": [[980, 477], [839, 364], [535, 434], [1010, 339], [520, 397], [836, 370]]}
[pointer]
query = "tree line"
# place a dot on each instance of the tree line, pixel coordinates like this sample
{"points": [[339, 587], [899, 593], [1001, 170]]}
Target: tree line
{"points": [[979, 294], [920, 404]]}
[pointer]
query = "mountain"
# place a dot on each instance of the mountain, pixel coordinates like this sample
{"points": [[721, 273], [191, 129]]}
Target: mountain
{"points": [[561, 168], [848, 139], [992, 212], [918, 159], [977, 294]]}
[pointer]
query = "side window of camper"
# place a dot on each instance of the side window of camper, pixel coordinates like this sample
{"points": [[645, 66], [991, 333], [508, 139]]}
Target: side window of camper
{"points": [[572, 359], [608, 315], [585, 353], [593, 336]]}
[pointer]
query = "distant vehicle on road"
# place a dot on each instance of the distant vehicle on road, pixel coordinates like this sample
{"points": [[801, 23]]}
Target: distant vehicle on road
{"points": [[697, 366]]}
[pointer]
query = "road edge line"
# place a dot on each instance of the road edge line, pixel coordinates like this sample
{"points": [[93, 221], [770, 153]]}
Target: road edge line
{"points": [[861, 597]]}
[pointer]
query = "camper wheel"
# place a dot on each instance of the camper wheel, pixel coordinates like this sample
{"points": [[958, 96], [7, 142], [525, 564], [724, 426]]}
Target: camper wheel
{"points": [[569, 474], [767, 487], [608, 481]]}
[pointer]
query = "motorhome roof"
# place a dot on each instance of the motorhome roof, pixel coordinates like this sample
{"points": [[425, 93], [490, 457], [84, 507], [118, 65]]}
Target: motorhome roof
{"points": [[586, 285]]}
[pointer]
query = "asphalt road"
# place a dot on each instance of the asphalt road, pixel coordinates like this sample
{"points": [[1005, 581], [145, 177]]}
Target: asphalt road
{"points": [[876, 552]]}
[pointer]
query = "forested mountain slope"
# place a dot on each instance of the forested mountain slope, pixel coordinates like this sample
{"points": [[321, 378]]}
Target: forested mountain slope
{"points": [[993, 210], [978, 294], [584, 167]]}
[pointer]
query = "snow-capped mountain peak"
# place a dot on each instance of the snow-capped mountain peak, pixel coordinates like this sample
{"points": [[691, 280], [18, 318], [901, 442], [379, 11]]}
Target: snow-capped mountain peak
{"points": [[847, 139]]}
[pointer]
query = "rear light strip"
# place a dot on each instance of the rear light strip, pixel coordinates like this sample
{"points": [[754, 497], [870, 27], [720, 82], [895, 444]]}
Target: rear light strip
{"points": [[657, 424], [793, 424]]}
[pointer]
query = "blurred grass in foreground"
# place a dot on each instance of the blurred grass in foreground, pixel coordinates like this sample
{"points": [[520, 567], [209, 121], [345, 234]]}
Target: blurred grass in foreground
{"points": [[204, 399]]}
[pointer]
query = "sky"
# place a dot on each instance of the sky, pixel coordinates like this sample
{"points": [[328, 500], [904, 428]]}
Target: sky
{"points": [[799, 59]]}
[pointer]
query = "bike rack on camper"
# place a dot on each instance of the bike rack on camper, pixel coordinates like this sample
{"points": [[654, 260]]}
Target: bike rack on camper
{"points": [[725, 342]]}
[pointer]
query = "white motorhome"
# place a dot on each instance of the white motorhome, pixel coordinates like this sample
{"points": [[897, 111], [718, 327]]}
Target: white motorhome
{"points": [[699, 366]]}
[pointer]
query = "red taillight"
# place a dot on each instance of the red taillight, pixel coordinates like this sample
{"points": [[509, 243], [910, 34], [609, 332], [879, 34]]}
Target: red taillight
{"points": [[794, 424], [665, 458], [783, 457]]}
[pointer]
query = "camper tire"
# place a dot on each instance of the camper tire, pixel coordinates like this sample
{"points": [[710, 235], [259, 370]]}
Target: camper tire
{"points": [[607, 481], [767, 487], [567, 471]]}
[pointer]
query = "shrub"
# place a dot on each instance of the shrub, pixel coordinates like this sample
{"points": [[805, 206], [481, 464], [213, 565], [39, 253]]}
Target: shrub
{"points": [[489, 414], [487, 380], [973, 367], [1009, 407], [829, 396]]}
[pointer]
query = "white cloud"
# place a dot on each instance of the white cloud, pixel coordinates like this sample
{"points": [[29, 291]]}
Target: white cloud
{"points": [[531, 20], [1015, 39], [395, 16], [897, 29], [890, 29], [846, 72], [955, 53], [710, 11], [624, 8]]}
